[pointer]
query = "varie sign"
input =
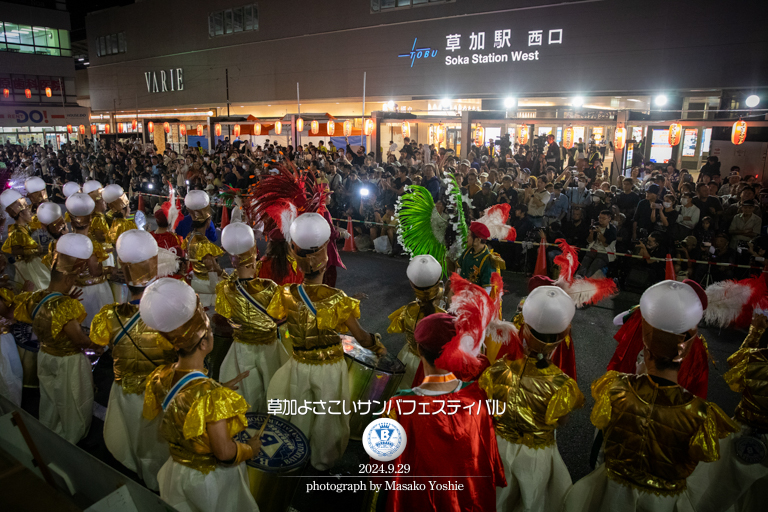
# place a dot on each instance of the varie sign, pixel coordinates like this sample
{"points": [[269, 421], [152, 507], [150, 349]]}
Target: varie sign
{"points": [[42, 116], [162, 81]]}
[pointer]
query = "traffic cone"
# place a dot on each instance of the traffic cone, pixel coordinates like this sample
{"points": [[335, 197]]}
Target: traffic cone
{"points": [[669, 270], [541, 259], [141, 203], [224, 217], [349, 243]]}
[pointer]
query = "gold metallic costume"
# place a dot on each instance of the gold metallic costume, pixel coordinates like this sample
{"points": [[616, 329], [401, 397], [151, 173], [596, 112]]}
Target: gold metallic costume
{"points": [[21, 236], [315, 337], [251, 326], [198, 247], [405, 319], [99, 226], [119, 226], [49, 323], [131, 366], [655, 435], [535, 399], [184, 423], [35, 224], [749, 376], [85, 278]]}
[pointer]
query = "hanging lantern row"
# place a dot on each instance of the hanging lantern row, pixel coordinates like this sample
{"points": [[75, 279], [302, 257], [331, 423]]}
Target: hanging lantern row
{"points": [[479, 135], [257, 129], [347, 128], [278, 128], [620, 138], [217, 129], [368, 126], [151, 127], [106, 129], [522, 137], [568, 138], [330, 127], [199, 130], [167, 127], [299, 125], [675, 131], [236, 130], [314, 127], [94, 129], [119, 127], [82, 129], [406, 129], [27, 93], [6, 93], [48, 92], [183, 130], [134, 124], [739, 132]]}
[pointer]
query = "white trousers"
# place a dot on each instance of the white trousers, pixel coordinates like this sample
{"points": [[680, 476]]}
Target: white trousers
{"points": [[66, 394], [11, 372], [411, 363], [35, 271], [262, 361], [94, 298]]}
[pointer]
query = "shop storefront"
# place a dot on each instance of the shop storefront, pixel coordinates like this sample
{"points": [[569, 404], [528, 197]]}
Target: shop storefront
{"points": [[45, 125]]}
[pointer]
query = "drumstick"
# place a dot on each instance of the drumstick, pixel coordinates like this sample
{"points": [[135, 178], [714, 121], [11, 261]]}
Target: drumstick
{"points": [[264, 426]]}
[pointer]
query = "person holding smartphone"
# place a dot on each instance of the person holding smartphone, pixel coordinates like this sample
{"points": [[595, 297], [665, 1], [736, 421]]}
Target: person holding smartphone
{"points": [[643, 218]]}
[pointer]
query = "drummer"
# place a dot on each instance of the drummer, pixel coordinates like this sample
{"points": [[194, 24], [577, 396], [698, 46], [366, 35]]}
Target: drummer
{"points": [[50, 217], [243, 299], [37, 195], [66, 383], [99, 226], [20, 243], [316, 315], [206, 469], [424, 275], [11, 372], [122, 221]]}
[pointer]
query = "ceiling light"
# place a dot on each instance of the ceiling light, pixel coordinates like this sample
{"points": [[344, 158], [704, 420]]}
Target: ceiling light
{"points": [[391, 104], [660, 100], [510, 103], [577, 101], [753, 100]]}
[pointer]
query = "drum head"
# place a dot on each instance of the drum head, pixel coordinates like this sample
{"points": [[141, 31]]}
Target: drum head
{"points": [[24, 337], [283, 446], [364, 356]]}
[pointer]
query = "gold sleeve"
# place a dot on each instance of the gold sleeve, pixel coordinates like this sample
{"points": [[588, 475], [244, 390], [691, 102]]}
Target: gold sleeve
{"points": [[66, 311], [19, 238], [152, 406], [396, 321], [275, 309], [23, 310], [102, 326], [98, 250], [206, 248], [8, 297], [601, 411], [218, 404], [35, 224], [223, 307], [705, 444], [335, 317], [736, 376], [565, 400]]}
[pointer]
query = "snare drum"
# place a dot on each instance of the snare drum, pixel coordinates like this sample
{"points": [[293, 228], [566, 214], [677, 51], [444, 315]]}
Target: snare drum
{"points": [[371, 378], [283, 456]]}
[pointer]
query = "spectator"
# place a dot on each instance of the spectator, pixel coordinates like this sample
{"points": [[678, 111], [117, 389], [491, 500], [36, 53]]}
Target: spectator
{"points": [[710, 168], [744, 226], [718, 252], [707, 204], [557, 207], [576, 230], [688, 218], [483, 199], [653, 251], [598, 204], [507, 193], [666, 217], [642, 222], [522, 222], [538, 202], [601, 240], [627, 199], [553, 153], [579, 196], [733, 179], [431, 182]]}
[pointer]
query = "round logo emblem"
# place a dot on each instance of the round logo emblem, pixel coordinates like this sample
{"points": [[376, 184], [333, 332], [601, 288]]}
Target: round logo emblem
{"points": [[750, 450], [384, 439]]}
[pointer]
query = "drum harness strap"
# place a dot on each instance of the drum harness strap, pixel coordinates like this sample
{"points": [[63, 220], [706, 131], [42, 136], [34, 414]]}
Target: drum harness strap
{"points": [[261, 309], [179, 385], [124, 332]]}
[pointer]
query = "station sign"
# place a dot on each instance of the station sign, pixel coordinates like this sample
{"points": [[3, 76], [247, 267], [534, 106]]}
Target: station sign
{"points": [[17, 116]]}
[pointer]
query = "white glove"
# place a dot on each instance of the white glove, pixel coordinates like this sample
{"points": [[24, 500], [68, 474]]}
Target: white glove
{"points": [[343, 233]]}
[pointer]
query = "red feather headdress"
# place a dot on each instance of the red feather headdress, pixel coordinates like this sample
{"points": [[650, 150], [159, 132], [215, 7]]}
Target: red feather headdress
{"points": [[731, 303], [495, 219], [582, 291]]}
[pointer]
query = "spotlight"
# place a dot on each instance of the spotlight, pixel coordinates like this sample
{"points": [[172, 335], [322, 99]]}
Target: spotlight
{"points": [[753, 100], [510, 103], [577, 102], [660, 100]]}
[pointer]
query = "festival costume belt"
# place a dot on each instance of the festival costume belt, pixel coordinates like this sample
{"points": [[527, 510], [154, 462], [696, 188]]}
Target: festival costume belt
{"points": [[89, 280], [321, 355], [531, 440]]}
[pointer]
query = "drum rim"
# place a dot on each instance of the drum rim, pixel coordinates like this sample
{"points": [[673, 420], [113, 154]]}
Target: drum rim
{"points": [[250, 416], [396, 372]]}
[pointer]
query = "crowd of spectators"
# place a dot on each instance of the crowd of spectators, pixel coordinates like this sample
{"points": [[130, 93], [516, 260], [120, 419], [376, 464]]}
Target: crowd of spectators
{"points": [[552, 192]]}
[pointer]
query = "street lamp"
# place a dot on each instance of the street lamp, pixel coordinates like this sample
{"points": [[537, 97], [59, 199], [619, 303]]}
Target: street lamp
{"points": [[660, 100], [753, 100]]}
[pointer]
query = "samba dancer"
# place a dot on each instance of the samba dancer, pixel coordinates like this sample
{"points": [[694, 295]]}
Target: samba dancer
{"points": [[66, 382], [316, 314], [537, 398], [20, 244], [476, 263], [11, 369], [93, 278], [203, 254], [424, 274], [653, 431], [122, 221], [99, 227], [243, 299], [136, 351], [37, 195], [50, 217], [206, 469]]}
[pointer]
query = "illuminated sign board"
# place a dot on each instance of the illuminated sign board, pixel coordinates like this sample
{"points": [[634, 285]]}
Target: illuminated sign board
{"points": [[506, 47], [164, 82]]}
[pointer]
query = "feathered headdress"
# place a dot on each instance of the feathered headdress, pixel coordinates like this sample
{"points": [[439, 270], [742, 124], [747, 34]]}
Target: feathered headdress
{"points": [[495, 219], [278, 199], [172, 210], [582, 291], [731, 303], [422, 230], [476, 317]]}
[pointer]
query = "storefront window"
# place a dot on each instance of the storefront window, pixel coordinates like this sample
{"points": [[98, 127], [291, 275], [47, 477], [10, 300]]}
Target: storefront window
{"points": [[231, 21], [111, 44], [39, 40]]}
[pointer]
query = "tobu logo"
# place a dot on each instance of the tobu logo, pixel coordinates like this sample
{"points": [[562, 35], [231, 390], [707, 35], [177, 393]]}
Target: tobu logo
{"points": [[419, 53], [384, 439]]}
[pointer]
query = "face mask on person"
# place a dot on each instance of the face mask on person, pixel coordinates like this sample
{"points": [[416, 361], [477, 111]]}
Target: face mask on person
{"points": [[595, 199], [582, 186], [667, 205], [615, 223]]}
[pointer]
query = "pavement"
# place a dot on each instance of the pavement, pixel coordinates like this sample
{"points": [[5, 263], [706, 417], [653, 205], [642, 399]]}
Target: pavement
{"points": [[383, 280]]}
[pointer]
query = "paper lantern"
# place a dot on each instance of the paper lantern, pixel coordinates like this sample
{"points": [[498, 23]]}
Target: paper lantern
{"points": [[368, 126], [347, 128], [314, 127], [278, 128], [257, 128], [183, 130], [48, 91], [106, 128], [330, 127], [94, 129], [151, 127], [479, 135], [675, 131], [522, 137], [299, 125], [69, 128], [739, 132], [119, 127], [568, 138], [27, 93], [82, 129], [134, 123], [619, 138], [236, 130], [167, 127], [6, 93], [217, 129], [406, 128], [199, 130]]}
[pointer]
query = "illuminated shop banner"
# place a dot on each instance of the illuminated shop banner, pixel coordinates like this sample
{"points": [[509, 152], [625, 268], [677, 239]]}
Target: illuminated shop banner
{"points": [[43, 116], [507, 46]]}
